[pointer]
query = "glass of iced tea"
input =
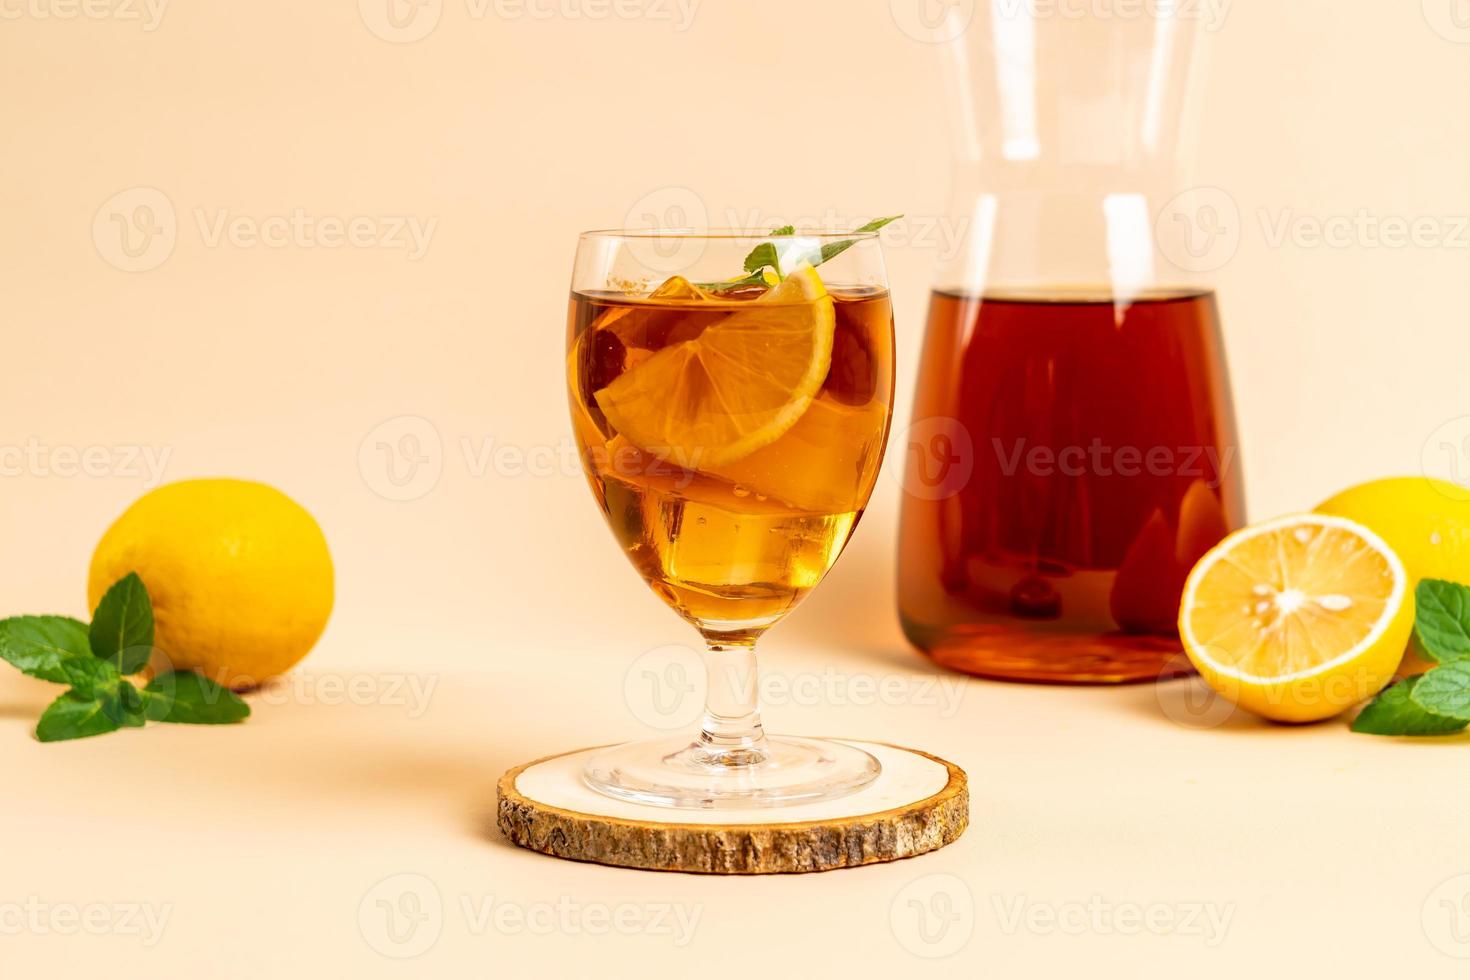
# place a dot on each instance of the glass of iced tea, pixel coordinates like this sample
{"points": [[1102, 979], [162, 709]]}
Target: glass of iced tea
{"points": [[731, 398]]}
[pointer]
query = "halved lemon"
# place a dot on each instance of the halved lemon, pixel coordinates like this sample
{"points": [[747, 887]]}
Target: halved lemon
{"points": [[735, 388], [1299, 618]]}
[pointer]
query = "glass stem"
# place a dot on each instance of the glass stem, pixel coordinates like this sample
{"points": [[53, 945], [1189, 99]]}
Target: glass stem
{"points": [[730, 733]]}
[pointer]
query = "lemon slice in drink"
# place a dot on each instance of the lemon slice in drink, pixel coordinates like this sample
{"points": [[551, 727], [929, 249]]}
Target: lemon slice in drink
{"points": [[1299, 618], [735, 388]]}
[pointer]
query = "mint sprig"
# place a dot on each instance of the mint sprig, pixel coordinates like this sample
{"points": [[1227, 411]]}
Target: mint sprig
{"points": [[767, 256], [1436, 702], [1395, 712], [1442, 620], [94, 661]]}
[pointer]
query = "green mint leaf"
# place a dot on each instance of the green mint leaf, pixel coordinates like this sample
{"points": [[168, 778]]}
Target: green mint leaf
{"points": [[122, 626], [1442, 619], [833, 249], [124, 704], [764, 255], [754, 279], [186, 698], [53, 648], [1445, 690], [1394, 712], [75, 715], [761, 256]]}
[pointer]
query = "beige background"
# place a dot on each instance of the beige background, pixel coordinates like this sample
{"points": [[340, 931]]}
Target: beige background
{"points": [[499, 135]]}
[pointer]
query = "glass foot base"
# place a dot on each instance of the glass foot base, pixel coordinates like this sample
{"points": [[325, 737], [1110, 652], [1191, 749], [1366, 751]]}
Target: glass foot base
{"points": [[677, 773]]}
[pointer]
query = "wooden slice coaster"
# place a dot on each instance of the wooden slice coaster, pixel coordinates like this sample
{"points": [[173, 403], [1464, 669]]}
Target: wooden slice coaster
{"points": [[918, 803]]}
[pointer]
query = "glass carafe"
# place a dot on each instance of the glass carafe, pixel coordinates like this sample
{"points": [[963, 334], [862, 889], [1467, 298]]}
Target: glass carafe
{"points": [[1073, 449]]}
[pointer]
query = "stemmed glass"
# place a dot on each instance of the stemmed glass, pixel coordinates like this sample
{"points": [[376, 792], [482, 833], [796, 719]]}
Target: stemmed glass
{"points": [[731, 397]]}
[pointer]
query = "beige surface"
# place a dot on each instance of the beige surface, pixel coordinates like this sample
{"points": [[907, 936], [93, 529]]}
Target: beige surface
{"points": [[500, 136], [267, 846]]}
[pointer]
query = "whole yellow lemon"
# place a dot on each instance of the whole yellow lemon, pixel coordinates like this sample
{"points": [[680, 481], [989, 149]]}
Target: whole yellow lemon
{"points": [[1425, 521], [238, 573]]}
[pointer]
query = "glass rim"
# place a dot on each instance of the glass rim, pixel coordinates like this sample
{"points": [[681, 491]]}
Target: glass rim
{"points": [[721, 234]]}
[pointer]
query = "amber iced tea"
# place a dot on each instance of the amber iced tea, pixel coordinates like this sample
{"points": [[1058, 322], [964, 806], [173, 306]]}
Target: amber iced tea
{"points": [[1092, 459], [731, 543]]}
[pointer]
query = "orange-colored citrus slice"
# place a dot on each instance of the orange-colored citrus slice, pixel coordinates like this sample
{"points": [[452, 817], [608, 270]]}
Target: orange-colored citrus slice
{"points": [[1299, 618], [736, 387]]}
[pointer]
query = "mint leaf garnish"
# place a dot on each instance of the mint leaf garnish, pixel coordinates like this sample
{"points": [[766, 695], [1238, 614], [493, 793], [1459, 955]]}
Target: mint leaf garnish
{"points": [[765, 256], [122, 626], [75, 715], [186, 698], [1394, 712], [124, 705], [53, 648], [833, 249], [1442, 619], [1445, 690], [93, 660], [754, 279]]}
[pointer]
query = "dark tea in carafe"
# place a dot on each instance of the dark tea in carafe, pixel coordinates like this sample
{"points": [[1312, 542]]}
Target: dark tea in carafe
{"points": [[1072, 456]]}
